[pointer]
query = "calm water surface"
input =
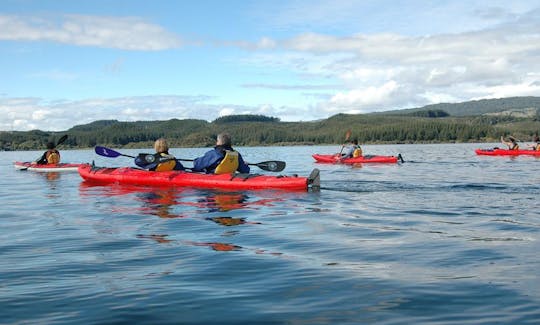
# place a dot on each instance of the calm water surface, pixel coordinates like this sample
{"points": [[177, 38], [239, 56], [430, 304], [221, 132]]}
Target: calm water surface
{"points": [[448, 237]]}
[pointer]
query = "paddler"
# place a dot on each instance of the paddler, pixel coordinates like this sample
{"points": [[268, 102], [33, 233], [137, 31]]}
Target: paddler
{"points": [[512, 143], [162, 161], [51, 156], [223, 159]]}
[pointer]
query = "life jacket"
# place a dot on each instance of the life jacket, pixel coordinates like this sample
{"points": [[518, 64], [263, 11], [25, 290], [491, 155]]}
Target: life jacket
{"points": [[166, 165], [229, 163], [515, 147], [357, 152], [52, 156]]}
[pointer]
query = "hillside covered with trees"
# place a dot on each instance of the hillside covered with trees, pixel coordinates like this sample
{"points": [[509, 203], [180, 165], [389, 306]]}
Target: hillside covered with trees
{"points": [[431, 124]]}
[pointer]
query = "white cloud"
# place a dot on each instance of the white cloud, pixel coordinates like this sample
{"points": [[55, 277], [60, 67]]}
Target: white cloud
{"points": [[377, 70], [24, 114], [126, 33]]}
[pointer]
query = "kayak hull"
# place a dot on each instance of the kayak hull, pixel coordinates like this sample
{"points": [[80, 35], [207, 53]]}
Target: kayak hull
{"points": [[506, 152], [335, 159], [62, 167], [134, 176]]}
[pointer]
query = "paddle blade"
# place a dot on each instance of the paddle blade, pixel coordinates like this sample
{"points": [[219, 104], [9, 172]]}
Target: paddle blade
{"points": [[271, 166], [106, 152], [348, 135], [62, 139]]}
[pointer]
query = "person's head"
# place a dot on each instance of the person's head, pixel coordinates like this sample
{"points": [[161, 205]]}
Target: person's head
{"points": [[511, 138], [161, 145], [355, 142], [224, 139], [50, 145]]}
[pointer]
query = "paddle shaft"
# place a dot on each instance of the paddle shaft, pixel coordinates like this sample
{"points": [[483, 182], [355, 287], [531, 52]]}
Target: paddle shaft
{"points": [[273, 165]]}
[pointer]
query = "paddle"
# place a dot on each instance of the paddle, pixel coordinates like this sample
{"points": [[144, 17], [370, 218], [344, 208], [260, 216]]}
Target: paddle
{"points": [[60, 141], [271, 165], [347, 136]]}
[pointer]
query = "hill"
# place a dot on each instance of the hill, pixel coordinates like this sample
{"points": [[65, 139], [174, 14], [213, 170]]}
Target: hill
{"points": [[474, 121], [480, 107]]}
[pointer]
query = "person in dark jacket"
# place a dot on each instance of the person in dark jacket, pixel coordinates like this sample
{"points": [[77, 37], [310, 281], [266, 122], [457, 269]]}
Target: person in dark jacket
{"points": [[161, 161], [222, 159], [51, 156]]}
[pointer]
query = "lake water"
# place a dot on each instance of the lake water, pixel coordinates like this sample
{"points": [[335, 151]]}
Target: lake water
{"points": [[447, 237]]}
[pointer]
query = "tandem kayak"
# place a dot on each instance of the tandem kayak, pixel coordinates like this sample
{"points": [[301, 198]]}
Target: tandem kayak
{"points": [[61, 167], [135, 176], [336, 159], [506, 152]]}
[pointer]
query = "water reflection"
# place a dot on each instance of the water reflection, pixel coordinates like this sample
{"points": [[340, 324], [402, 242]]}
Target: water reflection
{"points": [[217, 246], [223, 202]]}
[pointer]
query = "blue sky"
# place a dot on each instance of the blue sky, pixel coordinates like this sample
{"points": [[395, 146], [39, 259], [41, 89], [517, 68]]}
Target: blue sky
{"points": [[66, 63]]}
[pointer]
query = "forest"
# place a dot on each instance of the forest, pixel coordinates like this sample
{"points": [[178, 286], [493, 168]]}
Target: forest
{"points": [[432, 124]]}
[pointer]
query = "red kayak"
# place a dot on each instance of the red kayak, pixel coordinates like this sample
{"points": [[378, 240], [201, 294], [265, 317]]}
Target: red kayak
{"points": [[62, 167], [506, 152], [135, 176], [336, 159]]}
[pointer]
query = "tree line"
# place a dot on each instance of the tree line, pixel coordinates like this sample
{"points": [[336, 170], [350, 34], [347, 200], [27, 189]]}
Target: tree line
{"points": [[430, 126]]}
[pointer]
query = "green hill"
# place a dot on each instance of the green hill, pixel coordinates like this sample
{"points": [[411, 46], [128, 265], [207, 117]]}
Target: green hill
{"points": [[475, 121]]}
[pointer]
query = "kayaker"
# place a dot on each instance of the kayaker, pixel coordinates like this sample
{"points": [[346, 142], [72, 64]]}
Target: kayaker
{"points": [[223, 159], [535, 146], [51, 156], [512, 144], [352, 150], [162, 161]]}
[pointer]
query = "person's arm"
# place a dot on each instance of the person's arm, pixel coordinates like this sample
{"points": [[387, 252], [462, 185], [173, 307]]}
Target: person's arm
{"points": [[202, 164], [179, 165], [42, 160], [242, 166], [508, 144]]}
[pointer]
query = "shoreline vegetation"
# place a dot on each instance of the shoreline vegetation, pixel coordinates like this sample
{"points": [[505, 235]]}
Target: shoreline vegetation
{"points": [[474, 121]]}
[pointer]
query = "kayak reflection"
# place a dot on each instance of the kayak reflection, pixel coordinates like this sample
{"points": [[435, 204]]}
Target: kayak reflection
{"points": [[223, 202], [217, 246]]}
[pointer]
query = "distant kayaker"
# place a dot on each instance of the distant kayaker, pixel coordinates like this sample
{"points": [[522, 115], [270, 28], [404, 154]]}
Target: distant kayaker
{"points": [[536, 145], [512, 143], [352, 150], [162, 161], [223, 159], [51, 156]]}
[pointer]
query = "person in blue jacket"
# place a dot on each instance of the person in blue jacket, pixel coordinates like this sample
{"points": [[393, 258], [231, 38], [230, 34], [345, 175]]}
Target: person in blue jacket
{"points": [[223, 159]]}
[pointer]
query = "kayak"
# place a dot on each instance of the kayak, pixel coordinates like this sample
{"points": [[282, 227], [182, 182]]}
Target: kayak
{"points": [[506, 152], [135, 176], [336, 159], [61, 167]]}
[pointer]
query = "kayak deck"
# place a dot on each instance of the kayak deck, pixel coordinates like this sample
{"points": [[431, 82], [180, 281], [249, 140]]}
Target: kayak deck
{"points": [[336, 159], [61, 167], [135, 176]]}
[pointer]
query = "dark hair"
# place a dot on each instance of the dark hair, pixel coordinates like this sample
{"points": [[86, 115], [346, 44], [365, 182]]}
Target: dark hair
{"points": [[50, 145]]}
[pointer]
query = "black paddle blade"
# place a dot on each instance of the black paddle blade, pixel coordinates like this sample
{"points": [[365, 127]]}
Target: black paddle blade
{"points": [[271, 166], [62, 139]]}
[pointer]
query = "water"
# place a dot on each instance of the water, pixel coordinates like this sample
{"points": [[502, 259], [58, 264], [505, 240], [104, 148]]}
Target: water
{"points": [[448, 237]]}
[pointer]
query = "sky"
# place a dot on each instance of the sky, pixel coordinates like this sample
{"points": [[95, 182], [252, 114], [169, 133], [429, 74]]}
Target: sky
{"points": [[65, 63]]}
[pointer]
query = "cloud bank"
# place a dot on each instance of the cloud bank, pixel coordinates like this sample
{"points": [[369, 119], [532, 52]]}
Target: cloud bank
{"points": [[125, 33], [350, 73]]}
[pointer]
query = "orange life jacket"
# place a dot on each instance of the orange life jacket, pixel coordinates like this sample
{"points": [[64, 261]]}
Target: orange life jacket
{"points": [[167, 165], [52, 156]]}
